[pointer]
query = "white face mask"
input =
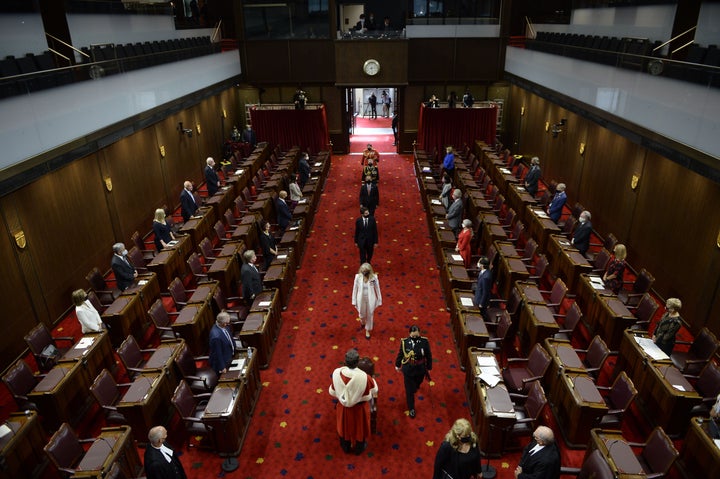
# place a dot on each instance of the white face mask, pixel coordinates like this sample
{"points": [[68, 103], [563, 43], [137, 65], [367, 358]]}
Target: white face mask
{"points": [[582, 219]]}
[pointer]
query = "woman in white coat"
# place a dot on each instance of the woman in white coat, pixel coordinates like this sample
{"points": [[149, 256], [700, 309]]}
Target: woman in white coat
{"points": [[366, 296]]}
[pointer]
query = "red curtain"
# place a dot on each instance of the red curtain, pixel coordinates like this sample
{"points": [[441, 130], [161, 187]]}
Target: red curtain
{"points": [[441, 127], [304, 128]]}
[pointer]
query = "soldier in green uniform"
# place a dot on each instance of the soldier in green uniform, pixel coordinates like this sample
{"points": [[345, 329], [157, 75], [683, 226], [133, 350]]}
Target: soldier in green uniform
{"points": [[415, 360]]}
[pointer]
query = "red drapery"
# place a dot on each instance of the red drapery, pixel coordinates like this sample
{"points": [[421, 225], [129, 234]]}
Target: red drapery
{"points": [[441, 127], [304, 128]]}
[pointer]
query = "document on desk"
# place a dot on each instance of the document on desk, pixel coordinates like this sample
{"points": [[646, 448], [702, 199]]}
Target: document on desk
{"points": [[491, 370], [426, 169], [302, 201], [505, 171], [519, 188], [4, 430], [237, 365], [651, 349], [456, 257], [281, 256], [435, 202], [429, 178], [489, 379], [487, 361], [318, 163], [264, 304], [540, 213], [172, 243], [466, 301], [85, 342]]}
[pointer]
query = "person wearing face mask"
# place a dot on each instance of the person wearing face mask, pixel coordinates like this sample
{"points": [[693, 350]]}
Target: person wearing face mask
{"points": [[414, 359], [581, 236], [366, 296], [369, 195], [366, 235], [540, 458], [458, 456], [125, 273], [372, 171]]}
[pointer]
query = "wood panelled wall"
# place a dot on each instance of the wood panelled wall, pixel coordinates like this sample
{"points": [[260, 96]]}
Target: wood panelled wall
{"points": [[71, 219], [670, 222]]}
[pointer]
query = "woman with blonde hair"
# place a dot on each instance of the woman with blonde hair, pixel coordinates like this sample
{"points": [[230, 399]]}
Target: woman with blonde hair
{"points": [[366, 296], [87, 315], [458, 456], [668, 326], [613, 277], [163, 232]]}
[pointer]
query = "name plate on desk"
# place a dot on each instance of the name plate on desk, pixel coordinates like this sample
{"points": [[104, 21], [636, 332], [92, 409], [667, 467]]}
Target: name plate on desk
{"points": [[237, 365], [264, 304]]}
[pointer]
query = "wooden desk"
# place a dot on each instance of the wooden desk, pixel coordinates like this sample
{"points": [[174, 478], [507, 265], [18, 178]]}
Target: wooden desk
{"points": [[94, 353], [247, 231], [540, 226], [226, 271], [510, 270], [204, 293], [231, 248], [460, 301], [163, 359], [22, 450], [294, 238], [634, 360], [568, 263], [529, 292], [491, 407], [183, 245], [268, 300], [477, 203], [287, 258], [225, 416], [167, 265], [249, 374], [257, 332], [609, 317], [193, 324], [518, 198], [473, 334], [62, 395], [617, 453], [125, 316], [221, 201], [536, 324], [589, 290], [699, 455], [146, 404], [113, 444], [147, 288], [264, 208], [275, 278], [455, 277], [563, 358], [198, 227], [578, 407]]}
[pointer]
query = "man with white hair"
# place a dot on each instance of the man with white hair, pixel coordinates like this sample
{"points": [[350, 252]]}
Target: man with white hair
{"points": [[533, 176], [541, 458], [161, 462], [211, 177], [125, 273], [455, 212], [581, 236], [556, 205], [188, 206]]}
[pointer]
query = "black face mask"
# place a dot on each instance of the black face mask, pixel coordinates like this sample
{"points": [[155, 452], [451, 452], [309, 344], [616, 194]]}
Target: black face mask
{"points": [[465, 439], [368, 181]]}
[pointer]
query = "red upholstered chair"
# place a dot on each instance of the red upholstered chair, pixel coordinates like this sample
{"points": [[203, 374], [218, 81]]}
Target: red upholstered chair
{"points": [[136, 259], [178, 293], [97, 282], [569, 226], [240, 207], [107, 393], [191, 408], [529, 252], [221, 232], [707, 384], [609, 242], [644, 312], [642, 285], [528, 410], [657, 455], [601, 261], [593, 467], [517, 235], [594, 356], [701, 350], [539, 269], [556, 295], [572, 319], [498, 341], [161, 319], [519, 379], [133, 358], [618, 398], [44, 347], [20, 380], [141, 245], [197, 268], [200, 380], [65, 449]]}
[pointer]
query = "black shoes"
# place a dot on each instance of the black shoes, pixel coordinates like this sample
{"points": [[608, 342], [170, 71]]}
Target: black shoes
{"points": [[360, 447], [345, 445], [412, 414]]}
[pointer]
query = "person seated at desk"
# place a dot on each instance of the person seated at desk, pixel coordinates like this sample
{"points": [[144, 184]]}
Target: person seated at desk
{"points": [[222, 346], [250, 277], [125, 273], [370, 154], [581, 236], [87, 315], [162, 231], [188, 205]]}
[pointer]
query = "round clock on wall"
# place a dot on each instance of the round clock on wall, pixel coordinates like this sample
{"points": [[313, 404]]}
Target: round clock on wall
{"points": [[371, 67]]}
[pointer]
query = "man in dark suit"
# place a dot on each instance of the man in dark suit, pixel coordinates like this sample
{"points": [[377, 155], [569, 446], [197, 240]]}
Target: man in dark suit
{"points": [[581, 236], [541, 458], [211, 177], [556, 205], [454, 214], [250, 277], [533, 176], [484, 285], [125, 273], [414, 359], [369, 195], [188, 206], [222, 346], [282, 211], [249, 136], [303, 170], [373, 106], [366, 235], [161, 462]]}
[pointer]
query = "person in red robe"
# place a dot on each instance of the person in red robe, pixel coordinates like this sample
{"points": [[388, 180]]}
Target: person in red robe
{"points": [[353, 389], [463, 242]]}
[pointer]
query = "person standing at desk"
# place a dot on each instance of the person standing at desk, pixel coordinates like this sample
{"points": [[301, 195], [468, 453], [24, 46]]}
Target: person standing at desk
{"points": [[212, 180], [222, 346], [458, 455], [581, 236], [455, 212], [463, 243], [188, 206], [125, 273], [483, 286], [161, 230], [668, 326], [161, 462], [556, 205], [303, 170], [449, 162], [541, 458], [613, 277], [267, 243], [533, 176], [87, 315], [414, 359], [282, 211], [366, 235], [250, 277]]}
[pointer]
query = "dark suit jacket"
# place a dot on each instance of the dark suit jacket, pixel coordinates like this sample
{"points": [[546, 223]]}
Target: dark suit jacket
{"points": [[124, 272], [532, 178], [211, 180], [581, 237], [544, 464], [251, 282], [455, 214], [282, 211], [304, 171], [371, 199], [366, 236], [483, 289], [157, 467], [556, 206], [188, 207], [221, 350]]}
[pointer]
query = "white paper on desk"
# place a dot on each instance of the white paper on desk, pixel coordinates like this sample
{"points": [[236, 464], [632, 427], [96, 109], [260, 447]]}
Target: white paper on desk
{"points": [[281, 256], [85, 342], [520, 188], [484, 361], [172, 243], [717, 443], [429, 178], [237, 365], [492, 370], [597, 285], [564, 242], [456, 257], [435, 202], [264, 304], [541, 213], [594, 278], [489, 379], [293, 228], [505, 171], [5, 430], [302, 200], [239, 172], [650, 348], [142, 282], [426, 169], [318, 163], [466, 301], [678, 387]]}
